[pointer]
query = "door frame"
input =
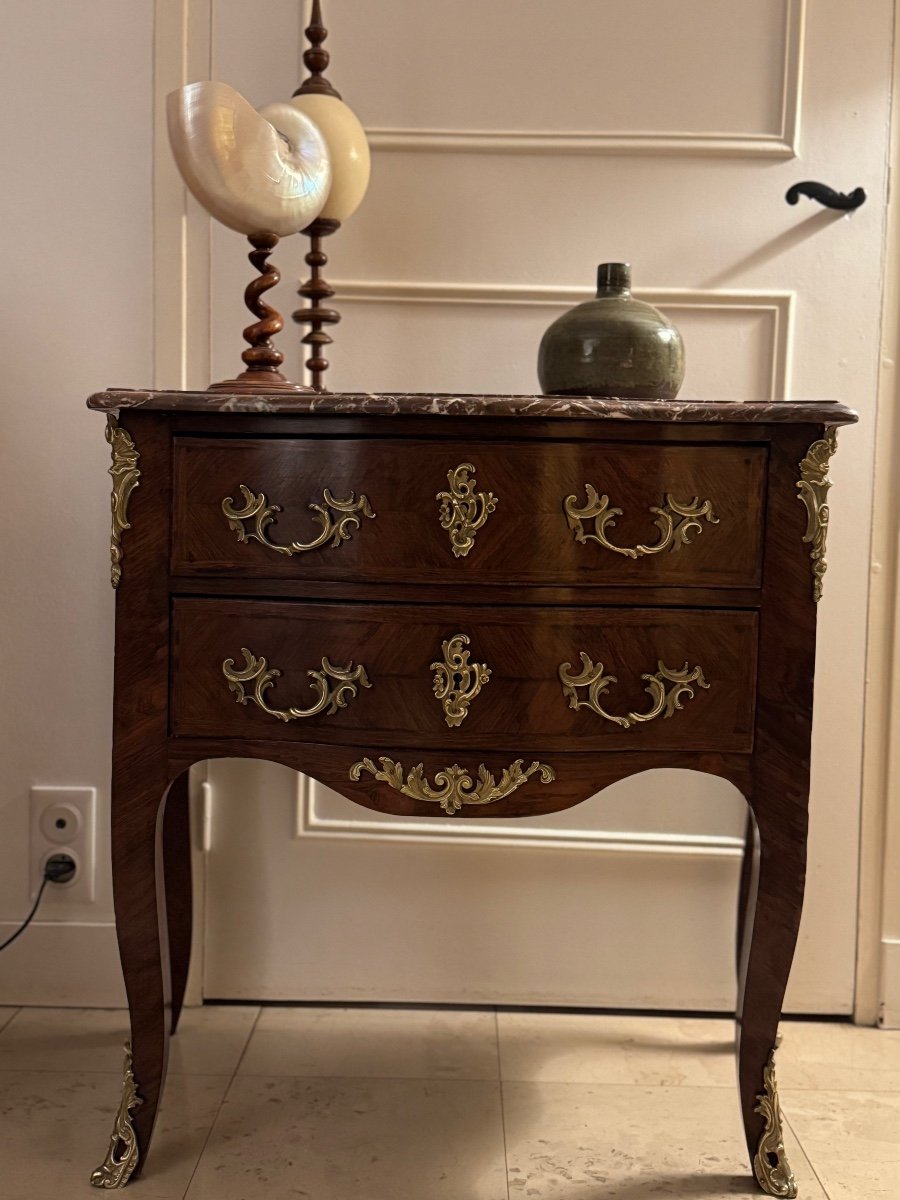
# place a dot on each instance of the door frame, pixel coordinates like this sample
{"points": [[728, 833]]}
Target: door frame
{"points": [[182, 53], [878, 943]]}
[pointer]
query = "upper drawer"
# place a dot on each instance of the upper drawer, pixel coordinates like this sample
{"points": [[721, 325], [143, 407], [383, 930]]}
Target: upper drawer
{"points": [[382, 510]]}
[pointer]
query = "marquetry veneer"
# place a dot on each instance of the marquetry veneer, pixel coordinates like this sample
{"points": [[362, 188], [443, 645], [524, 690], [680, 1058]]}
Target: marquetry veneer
{"points": [[468, 606]]}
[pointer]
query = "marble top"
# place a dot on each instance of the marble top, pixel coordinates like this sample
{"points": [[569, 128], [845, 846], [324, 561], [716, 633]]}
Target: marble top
{"points": [[454, 405]]}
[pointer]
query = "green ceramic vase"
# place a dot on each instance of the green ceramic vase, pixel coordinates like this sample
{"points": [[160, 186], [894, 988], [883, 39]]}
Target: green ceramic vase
{"points": [[612, 346]]}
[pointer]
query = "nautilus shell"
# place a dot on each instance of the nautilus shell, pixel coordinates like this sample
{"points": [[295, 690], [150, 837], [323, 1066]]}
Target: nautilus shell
{"points": [[348, 149], [256, 174]]}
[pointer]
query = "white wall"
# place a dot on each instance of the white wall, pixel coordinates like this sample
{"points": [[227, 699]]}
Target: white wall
{"points": [[76, 279]]}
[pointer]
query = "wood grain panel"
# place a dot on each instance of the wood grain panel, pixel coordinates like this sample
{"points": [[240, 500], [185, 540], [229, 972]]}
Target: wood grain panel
{"points": [[522, 704], [527, 538]]}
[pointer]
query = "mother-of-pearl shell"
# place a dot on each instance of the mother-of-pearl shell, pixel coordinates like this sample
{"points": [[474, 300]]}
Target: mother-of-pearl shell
{"points": [[256, 174], [348, 149]]}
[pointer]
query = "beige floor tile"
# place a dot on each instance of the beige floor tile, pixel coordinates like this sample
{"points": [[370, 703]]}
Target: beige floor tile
{"points": [[836, 1057], [6, 1015], [377, 1139], [370, 1043], [852, 1140], [594, 1048], [55, 1128], [64, 1039], [210, 1040], [578, 1142]]}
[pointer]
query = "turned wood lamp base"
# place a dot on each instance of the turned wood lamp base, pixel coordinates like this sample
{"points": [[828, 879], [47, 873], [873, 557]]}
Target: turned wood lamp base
{"points": [[258, 381], [261, 358], [317, 291]]}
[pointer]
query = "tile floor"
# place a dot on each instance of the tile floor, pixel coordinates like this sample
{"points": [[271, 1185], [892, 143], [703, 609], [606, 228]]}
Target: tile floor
{"points": [[393, 1104]]}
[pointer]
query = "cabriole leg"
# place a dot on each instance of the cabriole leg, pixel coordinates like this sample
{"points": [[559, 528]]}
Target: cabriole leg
{"points": [[746, 889], [138, 889], [179, 893], [775, 900]]}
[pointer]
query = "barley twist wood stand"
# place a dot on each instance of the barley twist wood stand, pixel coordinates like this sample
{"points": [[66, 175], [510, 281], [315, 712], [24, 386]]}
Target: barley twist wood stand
{"points": [[469, 606]]}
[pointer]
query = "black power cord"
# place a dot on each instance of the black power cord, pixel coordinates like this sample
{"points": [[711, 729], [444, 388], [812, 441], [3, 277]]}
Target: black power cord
{"points": [[59, 868]]}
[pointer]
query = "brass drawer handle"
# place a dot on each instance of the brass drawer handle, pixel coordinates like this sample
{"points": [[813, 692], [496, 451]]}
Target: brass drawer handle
{"points": [[262, 514], [463, 510], [454, 786], [665, 700], [329, 698], [676, 522]]}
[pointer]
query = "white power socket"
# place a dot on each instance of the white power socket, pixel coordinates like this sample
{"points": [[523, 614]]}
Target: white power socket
{"points": [[64, 821]]}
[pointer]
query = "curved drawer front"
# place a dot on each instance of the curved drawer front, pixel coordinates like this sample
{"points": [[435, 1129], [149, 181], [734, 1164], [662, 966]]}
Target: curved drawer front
{"points": [[415, 677], [383, 510]]}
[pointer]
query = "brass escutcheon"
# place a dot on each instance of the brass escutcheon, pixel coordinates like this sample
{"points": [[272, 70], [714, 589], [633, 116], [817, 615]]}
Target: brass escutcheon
{"points": [[463, 510], [457, 681]]}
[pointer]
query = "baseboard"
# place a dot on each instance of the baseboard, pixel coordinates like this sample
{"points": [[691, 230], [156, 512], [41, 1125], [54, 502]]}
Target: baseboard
{"points": [[65, 964]]}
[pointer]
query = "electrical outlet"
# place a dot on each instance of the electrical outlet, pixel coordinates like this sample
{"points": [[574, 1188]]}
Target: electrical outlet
{"points": [[63, 820]]}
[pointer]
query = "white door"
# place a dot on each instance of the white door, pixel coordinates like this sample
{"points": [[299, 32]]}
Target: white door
{"points": [[517, 144]]}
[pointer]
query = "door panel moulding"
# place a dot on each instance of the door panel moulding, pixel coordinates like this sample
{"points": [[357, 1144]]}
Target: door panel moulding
{"points": [[710, 145], [777, 307], [182, 53], [782, 142]]}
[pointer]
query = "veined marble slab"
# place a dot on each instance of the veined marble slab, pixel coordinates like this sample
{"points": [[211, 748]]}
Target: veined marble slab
{"points": [[726, 412]]}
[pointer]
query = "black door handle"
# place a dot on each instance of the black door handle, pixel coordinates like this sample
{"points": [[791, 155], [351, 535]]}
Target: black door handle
{"points": [[826, 195]]}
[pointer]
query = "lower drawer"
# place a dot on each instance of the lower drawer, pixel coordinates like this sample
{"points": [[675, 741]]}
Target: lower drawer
{"points": [[414, 676]]}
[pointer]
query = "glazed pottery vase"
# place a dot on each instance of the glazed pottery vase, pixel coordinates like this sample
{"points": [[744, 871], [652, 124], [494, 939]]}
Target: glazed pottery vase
{"points": [[612, 346]]}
